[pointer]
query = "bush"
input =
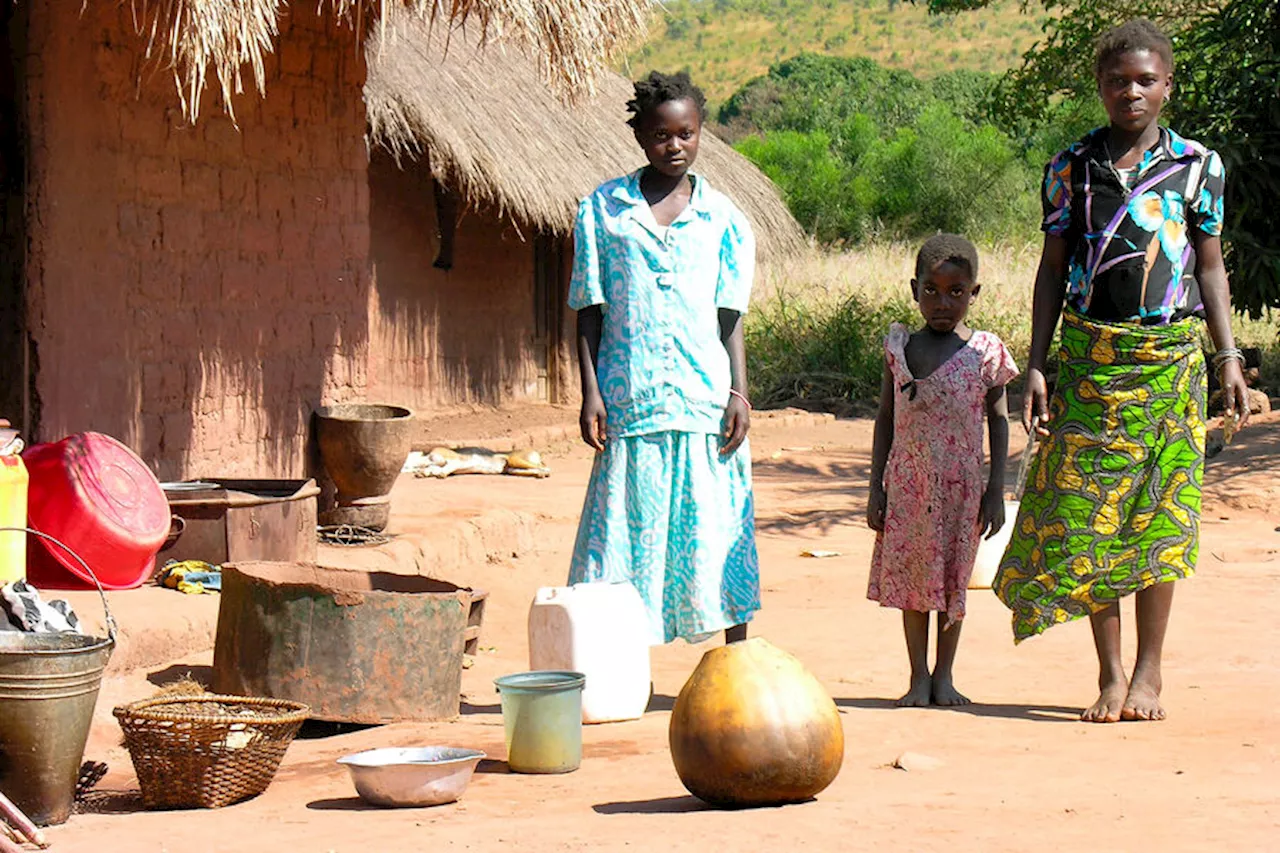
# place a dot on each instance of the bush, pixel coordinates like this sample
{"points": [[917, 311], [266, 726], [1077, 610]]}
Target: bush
{"points": [[817, 184], [904, 157], [802, 350], [942, 175]]}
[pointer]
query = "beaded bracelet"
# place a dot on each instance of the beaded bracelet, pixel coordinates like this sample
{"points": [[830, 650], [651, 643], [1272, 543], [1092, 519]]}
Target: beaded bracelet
{"points": [[741, 397]]}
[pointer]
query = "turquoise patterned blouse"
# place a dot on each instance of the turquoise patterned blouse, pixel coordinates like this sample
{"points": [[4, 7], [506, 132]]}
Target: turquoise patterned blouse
{"points": [[1132, 258], [662, 365]]}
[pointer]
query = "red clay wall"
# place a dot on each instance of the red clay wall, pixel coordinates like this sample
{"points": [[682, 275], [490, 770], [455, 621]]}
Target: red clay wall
{"points": [[443, 339], [195, 291]]}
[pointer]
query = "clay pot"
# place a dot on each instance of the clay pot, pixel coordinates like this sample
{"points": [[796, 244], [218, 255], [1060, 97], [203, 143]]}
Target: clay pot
{"points": [[363, 446], [752, 727]]}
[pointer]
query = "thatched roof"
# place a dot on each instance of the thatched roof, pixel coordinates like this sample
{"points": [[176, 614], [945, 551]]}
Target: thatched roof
{"points": [[490, 129], [230, 38]]}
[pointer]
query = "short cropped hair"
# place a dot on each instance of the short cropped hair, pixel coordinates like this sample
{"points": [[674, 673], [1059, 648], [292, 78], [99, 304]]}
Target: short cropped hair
{"points": [[1131, 37], [946, 248]]}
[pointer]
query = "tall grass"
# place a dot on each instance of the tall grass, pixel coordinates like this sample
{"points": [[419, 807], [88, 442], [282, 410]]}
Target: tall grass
{"points": [[816, 329]]}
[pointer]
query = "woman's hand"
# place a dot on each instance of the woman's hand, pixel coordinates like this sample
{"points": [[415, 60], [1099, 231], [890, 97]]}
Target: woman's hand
{"points": [[734, 425], [1035, 403], [592, 421], [877, 503], [991, 516], [1235, 393]]}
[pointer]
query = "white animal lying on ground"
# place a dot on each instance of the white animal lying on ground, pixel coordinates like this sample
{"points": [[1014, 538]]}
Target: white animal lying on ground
{"points": [[444, 461]]}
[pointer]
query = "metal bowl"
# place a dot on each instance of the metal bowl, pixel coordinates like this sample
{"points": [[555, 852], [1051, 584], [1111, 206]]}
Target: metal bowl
{"points": [[413, 776]]}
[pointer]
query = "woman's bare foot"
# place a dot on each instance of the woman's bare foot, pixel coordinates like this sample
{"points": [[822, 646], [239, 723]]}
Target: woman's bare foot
{"points": [[1110, 702], [1143, 701], [920, 693], [945, 693]]}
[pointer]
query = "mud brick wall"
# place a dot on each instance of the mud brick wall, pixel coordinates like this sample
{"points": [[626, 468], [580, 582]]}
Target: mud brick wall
{"points": [[195, 290], [444, 339]]}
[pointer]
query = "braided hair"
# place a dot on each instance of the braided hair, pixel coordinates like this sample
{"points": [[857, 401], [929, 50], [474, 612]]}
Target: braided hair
{"points": [[946, 248], [659, 88]]}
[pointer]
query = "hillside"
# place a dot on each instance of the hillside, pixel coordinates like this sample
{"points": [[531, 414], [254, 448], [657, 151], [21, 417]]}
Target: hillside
{"points": [[725, 43]]}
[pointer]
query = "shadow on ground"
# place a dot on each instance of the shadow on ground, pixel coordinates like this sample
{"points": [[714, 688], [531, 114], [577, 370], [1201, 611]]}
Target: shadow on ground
{"points": [[658, 805], [1041, 713], [199, 673]]}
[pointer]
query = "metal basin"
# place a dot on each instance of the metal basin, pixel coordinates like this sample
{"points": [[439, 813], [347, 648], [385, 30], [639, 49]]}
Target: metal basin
{"points": [[416, 776]]}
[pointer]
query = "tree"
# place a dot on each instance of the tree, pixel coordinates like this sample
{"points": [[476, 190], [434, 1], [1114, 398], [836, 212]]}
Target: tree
{"points": [[1226, 95]]}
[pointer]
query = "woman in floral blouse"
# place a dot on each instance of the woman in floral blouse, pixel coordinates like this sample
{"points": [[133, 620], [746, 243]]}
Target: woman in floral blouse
{"points": [[1132, 259]]}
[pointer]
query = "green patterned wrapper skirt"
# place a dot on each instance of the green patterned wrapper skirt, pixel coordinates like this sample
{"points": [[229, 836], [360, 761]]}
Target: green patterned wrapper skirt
{"points": [[1112, 499]]}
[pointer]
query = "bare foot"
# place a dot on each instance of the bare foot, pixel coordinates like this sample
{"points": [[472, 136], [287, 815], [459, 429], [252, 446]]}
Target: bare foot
{"points": [[945, 693], [1143, 701], [1110, 702], [919, 694]]}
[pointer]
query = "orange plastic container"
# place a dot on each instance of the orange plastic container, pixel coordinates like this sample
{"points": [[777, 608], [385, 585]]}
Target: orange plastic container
{"points": [[13, 513]]}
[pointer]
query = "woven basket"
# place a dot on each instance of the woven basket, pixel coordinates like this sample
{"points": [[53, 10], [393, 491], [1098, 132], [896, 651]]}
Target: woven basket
{"points": [[196, 760]]}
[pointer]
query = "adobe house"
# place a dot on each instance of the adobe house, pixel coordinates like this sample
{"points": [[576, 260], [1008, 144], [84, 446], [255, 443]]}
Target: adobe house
{"points": [[475, 137], [197, 287]]}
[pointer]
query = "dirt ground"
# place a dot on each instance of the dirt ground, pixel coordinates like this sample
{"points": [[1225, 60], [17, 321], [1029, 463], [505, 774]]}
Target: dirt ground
{"points": [[1018, 772]]}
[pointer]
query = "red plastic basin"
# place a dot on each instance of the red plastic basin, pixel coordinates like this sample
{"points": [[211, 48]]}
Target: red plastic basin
{"points": [[94, 494]]}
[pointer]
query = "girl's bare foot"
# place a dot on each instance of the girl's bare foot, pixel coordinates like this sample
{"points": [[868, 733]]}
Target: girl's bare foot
{"points": [[945, 693], [1110, 702], [920, 693], [1143, 701]]}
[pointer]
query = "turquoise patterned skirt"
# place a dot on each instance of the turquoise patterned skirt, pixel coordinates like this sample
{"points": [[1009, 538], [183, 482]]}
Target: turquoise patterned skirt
{"points": [[667, 513]]}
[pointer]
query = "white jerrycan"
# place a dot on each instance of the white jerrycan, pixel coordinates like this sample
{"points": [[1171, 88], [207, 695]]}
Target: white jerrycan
{"points": [[991, 551], [601, 631]]}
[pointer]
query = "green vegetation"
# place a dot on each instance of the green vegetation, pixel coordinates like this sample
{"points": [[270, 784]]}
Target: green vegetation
{"points": [[1226, 95], [728, 42], [862, 151]]}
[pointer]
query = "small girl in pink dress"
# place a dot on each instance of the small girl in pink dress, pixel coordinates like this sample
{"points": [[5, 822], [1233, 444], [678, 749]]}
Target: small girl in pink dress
{"points": [[929, 501]]}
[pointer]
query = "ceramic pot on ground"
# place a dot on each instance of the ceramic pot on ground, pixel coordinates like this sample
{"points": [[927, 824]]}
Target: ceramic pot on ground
{"points": [[363, 447]]}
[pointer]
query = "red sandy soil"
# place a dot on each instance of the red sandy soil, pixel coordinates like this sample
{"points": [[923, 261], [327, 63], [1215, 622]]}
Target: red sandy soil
{"points": [[1018, 772]]}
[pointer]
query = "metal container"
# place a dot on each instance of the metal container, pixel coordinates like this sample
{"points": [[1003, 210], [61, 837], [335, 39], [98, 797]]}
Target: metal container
{"points": [[421, 776], [222, 521], [542, 715], [360, 647], [48, 688]]}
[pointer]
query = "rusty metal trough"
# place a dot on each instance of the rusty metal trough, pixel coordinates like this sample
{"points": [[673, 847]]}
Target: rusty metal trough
{"points": [[359, 647]]}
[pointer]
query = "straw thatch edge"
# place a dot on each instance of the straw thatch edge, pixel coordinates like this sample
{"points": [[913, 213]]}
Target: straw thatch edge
{"points": [[228, 40], [492, 132]]}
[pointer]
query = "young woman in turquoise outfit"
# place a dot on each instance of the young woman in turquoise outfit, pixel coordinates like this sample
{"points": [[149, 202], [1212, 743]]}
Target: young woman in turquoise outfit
{"points": [[662, 274]]}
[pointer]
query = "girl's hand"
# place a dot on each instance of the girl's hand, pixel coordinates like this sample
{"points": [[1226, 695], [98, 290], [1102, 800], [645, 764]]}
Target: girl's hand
{"points": [[1235, 393], [1035, 403], [991, 516], [877, 503], [734, 425], [592, 421]]}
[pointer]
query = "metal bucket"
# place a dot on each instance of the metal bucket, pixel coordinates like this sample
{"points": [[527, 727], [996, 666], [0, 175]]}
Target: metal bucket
{"points": [[48, 688], [542, 714]]}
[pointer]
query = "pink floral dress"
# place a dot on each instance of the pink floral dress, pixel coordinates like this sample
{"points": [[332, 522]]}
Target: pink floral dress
{"points": [[934, 479]]}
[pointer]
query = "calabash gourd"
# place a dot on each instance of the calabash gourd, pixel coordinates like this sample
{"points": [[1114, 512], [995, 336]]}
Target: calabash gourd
{"points": [[752, 727]]}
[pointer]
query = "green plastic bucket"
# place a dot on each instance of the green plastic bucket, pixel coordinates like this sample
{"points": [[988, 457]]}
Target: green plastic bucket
{"points": [[542, 714]]}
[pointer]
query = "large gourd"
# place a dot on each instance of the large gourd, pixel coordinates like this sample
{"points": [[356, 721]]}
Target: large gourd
{"points": [[752, 727]]}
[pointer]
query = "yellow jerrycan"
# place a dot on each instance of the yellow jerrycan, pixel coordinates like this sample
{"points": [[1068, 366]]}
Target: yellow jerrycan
{"points": [[13, 509]]}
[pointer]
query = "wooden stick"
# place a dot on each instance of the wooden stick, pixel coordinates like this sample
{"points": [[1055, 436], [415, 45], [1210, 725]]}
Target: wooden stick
{"points": [[21, 822]]}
